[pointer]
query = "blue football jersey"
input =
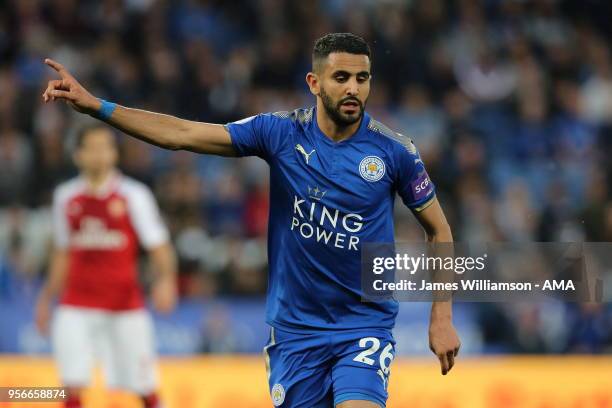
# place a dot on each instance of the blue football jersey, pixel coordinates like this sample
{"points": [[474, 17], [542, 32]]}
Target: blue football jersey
{"points": [[326, 199]]}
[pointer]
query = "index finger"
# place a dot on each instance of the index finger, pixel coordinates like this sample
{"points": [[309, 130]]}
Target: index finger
{"points": [[450, 357], [58, 67], [444, 366]]}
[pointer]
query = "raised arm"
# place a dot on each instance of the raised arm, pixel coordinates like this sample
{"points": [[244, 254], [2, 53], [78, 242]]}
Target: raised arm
{"points": [[162, 130]]}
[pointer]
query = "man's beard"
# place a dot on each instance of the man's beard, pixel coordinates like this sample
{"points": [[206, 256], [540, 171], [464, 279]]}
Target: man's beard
{"points": [[334, 112]]}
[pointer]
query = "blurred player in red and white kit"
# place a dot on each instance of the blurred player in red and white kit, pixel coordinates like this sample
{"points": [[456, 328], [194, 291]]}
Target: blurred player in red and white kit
{"points": [[100, 218]]}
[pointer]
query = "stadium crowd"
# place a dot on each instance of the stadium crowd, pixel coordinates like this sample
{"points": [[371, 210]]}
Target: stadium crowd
{"points": [[509, 102]]}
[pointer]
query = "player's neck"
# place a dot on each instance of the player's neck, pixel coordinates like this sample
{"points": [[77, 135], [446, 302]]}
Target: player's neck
{"points": [[332, 130], [97, 180]]}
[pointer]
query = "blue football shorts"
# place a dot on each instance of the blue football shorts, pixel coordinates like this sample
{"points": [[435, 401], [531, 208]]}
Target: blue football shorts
{"points": [[322, 369]]}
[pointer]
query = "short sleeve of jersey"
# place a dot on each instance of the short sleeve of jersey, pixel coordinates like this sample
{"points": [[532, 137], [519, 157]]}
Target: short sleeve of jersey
{"points": [[145, 216], [61, 230], [412, 181], [258, 135]]}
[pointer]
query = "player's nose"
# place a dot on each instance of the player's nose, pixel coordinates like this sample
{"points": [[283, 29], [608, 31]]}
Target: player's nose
{"points": [[352, 88]]}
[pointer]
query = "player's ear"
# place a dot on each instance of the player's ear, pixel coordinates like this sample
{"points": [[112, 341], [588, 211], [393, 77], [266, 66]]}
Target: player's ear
{"points": [[312, 80]]}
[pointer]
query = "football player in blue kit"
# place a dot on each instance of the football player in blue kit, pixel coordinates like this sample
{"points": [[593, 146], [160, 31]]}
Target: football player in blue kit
{"points": [[334, 174]]}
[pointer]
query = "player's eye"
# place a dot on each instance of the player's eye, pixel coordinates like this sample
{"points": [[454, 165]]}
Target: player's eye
{"points": [[341, 78], [362, 78]]}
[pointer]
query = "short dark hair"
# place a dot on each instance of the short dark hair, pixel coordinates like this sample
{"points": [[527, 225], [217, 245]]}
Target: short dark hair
{"points": [[338, 42], [87, 129]]}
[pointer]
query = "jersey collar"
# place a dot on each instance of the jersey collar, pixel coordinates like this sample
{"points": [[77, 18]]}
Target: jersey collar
{"points": [[361, 130], [105, 189]]}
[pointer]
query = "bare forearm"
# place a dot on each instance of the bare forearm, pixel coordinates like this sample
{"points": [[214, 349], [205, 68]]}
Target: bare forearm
{"points": [[164, 262], [164, 291], [57, 275], [171, 132], [442, 234], [441, 310], [58, 267], [155, 128]]}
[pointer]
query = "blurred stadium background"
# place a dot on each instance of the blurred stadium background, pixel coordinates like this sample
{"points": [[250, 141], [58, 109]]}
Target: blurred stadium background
{"points": [[510, 103]]}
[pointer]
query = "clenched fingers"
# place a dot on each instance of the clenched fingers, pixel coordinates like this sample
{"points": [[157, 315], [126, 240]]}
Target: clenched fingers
{"points": [[59, 88], [57, 93], [52, 85]]}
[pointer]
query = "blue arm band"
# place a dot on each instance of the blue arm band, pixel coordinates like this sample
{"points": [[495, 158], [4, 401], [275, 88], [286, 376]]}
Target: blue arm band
{"points": [[106, 110]]}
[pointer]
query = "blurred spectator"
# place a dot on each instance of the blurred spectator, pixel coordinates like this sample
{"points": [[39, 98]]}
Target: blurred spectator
{"points": [[15, 165], [419, 119]]}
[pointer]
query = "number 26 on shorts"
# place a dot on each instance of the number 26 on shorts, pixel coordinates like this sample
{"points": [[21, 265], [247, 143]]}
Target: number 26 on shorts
{"points": [[384, 359]]}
